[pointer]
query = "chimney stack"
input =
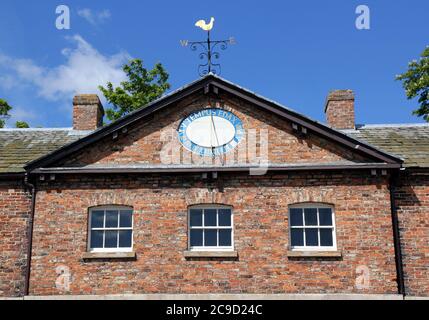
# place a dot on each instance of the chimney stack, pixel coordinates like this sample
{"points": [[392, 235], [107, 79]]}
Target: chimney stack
{"points": [[340, 109], [88, 112]]}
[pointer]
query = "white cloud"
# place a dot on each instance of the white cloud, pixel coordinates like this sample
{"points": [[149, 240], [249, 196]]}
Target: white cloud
{"points": [[94, 18], [7, 81], [22, 114], [84, 70]]}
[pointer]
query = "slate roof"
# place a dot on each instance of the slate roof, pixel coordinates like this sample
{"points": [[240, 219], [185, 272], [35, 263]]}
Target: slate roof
{"points": [[20, 146], [29, 148], [407, 141], [211, 85]]}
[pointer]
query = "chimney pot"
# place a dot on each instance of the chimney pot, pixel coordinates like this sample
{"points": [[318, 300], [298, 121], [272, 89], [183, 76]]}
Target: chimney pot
{"points": [[340, 109], [88, 112]]}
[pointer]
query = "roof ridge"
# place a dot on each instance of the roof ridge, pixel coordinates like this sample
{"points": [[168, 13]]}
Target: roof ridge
{"points": [[36, 129], [392, 125], [223, 84], [68, 131]]}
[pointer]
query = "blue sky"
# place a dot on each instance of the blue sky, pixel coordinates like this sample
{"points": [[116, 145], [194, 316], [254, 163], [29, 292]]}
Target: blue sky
{"points": [[291, 51]]}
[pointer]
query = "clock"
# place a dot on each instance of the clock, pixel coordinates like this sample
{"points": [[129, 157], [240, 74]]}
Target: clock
{"points": [[211, 132]]}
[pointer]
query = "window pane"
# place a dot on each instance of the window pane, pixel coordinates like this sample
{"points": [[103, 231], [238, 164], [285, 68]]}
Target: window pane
{"points": [[225, 217], [96, 239], [196, 216], [97, 219], [196, 238], [310, 216], [311, 237], [326, 238], [210, 217], [126, 219], [297, 237], [210, 238], [325, 216], [225, 238], [111, 239], [125, 238], [296, 217], [111, 218]]}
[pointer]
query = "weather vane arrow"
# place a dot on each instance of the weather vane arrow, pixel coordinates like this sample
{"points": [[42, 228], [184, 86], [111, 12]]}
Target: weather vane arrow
{"points": [[208, 47]]}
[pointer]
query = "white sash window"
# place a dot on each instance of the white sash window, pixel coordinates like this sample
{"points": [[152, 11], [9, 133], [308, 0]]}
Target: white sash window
{"points": [[110, 229], [211, 228], [312, 227]]}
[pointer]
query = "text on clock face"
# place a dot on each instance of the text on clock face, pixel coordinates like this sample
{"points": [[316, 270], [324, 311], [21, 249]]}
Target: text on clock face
{"points": [[211, 132]]}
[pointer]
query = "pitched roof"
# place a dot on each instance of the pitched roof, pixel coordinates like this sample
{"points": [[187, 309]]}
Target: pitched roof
{"points": [[22, 149], [212, 84], [20, 146], [408, 141]]}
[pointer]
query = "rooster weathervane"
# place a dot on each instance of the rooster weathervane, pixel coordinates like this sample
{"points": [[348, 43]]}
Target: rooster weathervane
{"points": [[208, 47]]}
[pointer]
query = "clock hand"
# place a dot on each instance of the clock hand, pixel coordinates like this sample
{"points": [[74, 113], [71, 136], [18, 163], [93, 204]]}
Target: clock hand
{"points": [[211, 134], [217, 138]]}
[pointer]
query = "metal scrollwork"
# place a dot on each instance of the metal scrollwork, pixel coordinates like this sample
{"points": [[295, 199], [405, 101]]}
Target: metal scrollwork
{"points": [[209, 53]]}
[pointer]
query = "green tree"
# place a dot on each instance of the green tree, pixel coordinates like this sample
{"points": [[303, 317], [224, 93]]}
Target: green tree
{"points": [[143, 86], [416, 83], [4, 112], [22, 125]]}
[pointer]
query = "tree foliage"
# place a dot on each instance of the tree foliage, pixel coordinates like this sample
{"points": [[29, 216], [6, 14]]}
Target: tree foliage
{"points": [[416, 83], [4, 112], [22, 125], [143, 86]]}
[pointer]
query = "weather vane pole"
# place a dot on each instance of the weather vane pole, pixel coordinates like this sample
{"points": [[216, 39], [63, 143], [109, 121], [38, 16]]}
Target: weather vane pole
{"points": [[208, 48]]}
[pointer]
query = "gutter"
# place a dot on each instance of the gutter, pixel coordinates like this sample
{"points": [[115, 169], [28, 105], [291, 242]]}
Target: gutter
{"points": [[396, 236], [219, 83], [199, 169], [11, 176], [32, 187]]}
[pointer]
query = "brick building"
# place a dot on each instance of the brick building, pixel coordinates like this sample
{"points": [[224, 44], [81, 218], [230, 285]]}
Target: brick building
{"points": [[214, 189]]}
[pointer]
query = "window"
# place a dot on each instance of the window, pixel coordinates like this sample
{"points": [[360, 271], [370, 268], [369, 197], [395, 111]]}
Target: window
{"points": [[110, 229], [210, 228], [312, 227]]}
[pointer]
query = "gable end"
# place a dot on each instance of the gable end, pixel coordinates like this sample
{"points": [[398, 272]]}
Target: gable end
{"points": [[211, 85]]}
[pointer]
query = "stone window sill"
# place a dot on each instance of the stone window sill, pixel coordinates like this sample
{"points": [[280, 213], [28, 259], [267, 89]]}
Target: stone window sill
{"points": [[314, 254], [109, 255], [211, 254]]}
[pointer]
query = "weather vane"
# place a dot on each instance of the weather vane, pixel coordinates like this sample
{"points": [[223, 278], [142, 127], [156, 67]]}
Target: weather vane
{"points": [[208, 47]]}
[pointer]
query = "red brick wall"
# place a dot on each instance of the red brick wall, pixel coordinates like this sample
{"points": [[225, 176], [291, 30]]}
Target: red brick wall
{"points": [[260, 205], [87, 112], [412, 201], [14, 216], [143, 143], [340, 109]]}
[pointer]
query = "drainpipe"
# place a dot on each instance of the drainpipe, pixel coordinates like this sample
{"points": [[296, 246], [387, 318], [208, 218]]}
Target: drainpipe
{"points": [[33, 191], [396, 236]]}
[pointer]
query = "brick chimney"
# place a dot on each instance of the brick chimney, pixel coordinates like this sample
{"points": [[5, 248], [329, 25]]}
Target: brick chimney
{"points": [[340, 109], [88, 112]]}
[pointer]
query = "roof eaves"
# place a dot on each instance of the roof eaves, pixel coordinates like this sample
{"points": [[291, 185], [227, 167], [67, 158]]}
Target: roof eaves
{"points": [[124, 121], [228, 86], [356, 144], [208, 168]]}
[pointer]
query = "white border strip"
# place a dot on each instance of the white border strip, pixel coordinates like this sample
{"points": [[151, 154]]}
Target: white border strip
{"points": [[337, 296]]}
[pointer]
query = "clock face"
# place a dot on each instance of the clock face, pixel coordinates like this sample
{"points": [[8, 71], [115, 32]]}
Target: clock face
{"points": [[211, 132]]}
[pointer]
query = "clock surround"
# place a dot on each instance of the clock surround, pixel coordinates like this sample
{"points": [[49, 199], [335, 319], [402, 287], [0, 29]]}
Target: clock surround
{"points": [[211, 132]]}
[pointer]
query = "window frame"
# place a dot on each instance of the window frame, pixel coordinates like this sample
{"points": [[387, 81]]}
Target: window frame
{"points": [[318, 206], [107, 208], [217, 227]]}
